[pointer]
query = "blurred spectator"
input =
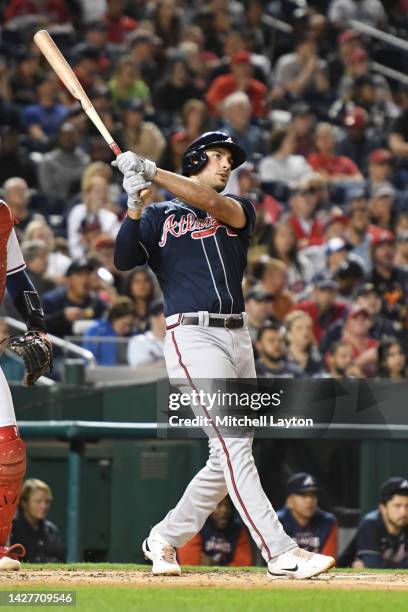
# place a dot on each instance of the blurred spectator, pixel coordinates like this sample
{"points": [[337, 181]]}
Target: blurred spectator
{"points": [[281, 164], [371, 12], [116, 327], [356, 234], [340, 359], [271, 348], [304, 203], [398, 136], [119, 24], [323, 308], [43, 118], [141, 137], [401, 255], [312, 528], [35, 253], [58, 263], [126, 84], [61, 169], [356, 332], [324, 160], [239, 79], [258, 306], [379, 168], [26, 76], [74, 302], [236, 112], [302, 124], [283, 246], [143, 45], [147, 348], [56, 11], [272, 275], [167, 22], [349, 275], [381, 206], [140, 289], [95, 202], [302, 74], [302, 351], [390, 281], [174, 90], [358, 139], [347, 41], [17, 196], [223, 541], [381, 541], [359, 66], [392, 361], [195, 119], [40, 537], [14, 160]]}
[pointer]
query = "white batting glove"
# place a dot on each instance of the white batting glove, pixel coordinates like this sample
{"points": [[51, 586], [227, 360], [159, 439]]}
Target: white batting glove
{"points": [[129, 161], [133, 184]]}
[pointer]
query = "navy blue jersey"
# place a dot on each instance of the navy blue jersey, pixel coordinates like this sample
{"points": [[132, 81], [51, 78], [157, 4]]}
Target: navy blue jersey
{"points": [[315, 534], [199, 261], [379, 549]]}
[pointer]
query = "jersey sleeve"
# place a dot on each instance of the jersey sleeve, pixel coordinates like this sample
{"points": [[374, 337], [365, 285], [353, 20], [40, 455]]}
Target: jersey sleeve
{"points": [[250, 215], [137, 239], [15, 260]]}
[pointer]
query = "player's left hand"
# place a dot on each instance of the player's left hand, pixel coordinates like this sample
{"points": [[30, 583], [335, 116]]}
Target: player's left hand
{"points": [[130, 162], [35, 350]]}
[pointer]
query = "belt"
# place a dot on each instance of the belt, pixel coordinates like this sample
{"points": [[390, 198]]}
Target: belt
{"points": [[227, 321]]}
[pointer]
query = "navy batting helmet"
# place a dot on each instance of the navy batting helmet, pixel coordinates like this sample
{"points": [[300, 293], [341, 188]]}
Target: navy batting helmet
{"points": [[195, 157]]}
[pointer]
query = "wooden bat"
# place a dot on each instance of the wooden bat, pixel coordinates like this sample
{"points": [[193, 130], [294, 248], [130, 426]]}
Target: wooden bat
{"points": [[64, 71]]}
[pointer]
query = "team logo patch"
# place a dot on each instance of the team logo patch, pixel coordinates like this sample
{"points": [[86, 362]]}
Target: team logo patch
{"points": [[198, 228]]}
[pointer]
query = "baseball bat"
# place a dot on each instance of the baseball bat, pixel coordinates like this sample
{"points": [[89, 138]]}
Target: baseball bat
{"points": [[64, 71]]}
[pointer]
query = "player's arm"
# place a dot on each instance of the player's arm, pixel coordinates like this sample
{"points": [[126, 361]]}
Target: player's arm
{"points": [[223, 208], [26, 301]]}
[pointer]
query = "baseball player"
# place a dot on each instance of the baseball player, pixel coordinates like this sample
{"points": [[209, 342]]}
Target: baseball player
{"points": [[196, 243], [35, 350]]}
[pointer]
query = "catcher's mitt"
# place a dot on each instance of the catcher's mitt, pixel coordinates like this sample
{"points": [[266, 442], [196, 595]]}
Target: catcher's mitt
{"points": [[36, 352]]}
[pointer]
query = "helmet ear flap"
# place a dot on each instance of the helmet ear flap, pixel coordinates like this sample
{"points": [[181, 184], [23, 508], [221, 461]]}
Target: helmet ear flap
{"points": [[193, 161]]}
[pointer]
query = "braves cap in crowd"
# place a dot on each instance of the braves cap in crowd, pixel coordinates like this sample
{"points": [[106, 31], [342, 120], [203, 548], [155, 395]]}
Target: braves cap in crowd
{"points": [[302, 482], [392, 486]]}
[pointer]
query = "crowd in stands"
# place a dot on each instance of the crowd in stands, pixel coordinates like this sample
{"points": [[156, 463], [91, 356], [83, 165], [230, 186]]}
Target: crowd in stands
{"points": [[326, 133]]}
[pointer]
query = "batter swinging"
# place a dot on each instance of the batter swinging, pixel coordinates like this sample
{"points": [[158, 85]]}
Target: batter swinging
{"points": [[197, 245]]}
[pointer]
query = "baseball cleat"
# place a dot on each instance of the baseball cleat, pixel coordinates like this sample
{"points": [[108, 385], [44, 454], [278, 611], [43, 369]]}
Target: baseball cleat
{"points": [[299, 564], [162, 555], [9, 557]]}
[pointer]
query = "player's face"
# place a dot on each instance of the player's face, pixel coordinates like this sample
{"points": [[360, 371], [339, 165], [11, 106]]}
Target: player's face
{"points": [[396, 511], [303, 504], [217, 170], [37, 505]]}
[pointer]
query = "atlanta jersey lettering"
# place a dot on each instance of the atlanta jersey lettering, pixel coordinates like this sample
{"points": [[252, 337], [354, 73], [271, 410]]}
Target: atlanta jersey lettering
{"points": [[199, 261]]}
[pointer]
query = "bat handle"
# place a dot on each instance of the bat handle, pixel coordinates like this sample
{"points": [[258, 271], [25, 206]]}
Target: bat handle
{"points": [[116, 151]]}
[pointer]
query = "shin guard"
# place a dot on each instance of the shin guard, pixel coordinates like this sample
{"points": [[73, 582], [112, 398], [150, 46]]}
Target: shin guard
{"points": [[12, 471]]}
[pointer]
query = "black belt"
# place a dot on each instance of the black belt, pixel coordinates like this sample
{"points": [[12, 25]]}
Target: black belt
{"points": [[229, 321]]}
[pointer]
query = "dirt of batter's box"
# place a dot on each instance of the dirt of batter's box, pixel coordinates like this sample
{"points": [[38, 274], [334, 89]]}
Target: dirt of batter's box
{"points": [[230, 579]]}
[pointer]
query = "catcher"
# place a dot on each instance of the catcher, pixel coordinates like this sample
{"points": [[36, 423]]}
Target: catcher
{"points": [[35, 350]]}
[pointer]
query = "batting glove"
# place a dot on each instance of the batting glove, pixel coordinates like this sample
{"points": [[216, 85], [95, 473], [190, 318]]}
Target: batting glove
{"points": [[133, 184], [129, 161]]}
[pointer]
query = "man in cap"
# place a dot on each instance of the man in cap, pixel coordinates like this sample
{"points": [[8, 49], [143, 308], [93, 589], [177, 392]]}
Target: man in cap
{"points": [[381, 541], [73, 301], [323, 307], [271, 348], [380, 168], [258, 306], [390, 281], [312, 528]]}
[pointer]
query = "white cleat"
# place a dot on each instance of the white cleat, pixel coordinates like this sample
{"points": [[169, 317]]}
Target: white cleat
{"points": [[9, 557], [299, 564], [162, 555]]}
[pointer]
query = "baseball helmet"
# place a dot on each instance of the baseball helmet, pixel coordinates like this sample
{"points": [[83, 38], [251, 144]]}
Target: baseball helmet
{"points": [[195, 157]]}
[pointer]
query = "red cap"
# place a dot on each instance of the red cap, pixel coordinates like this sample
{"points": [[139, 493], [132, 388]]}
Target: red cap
{"points": [[359, 55], [347, 36], [356, 117], [380, 156], [242, 57], [382, 237], [358, 310]]}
